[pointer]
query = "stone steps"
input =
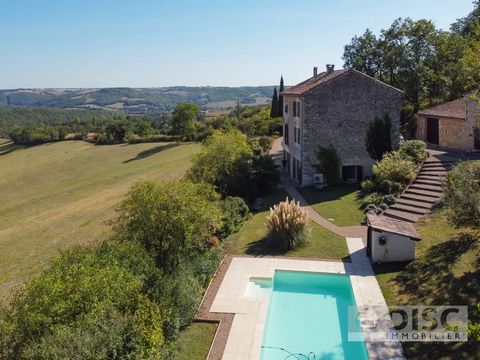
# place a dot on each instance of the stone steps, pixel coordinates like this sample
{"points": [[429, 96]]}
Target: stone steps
{"points": [[429, 181], [418, 192], [414, 203], [422, 187], [414, 197], [409, 209]]}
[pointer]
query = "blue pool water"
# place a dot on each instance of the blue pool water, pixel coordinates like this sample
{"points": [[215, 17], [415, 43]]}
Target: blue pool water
{"points": [[308, 314]]}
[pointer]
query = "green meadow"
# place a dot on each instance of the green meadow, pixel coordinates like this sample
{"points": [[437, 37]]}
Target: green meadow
{"points": [[56, 195]]}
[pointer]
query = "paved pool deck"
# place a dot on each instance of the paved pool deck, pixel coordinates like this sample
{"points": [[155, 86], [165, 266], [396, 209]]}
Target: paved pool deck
{"points": [[244, 317]]}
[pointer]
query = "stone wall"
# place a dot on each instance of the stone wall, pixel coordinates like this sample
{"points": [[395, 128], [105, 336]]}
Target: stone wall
{"points": [[455, 134], [338, 113]]}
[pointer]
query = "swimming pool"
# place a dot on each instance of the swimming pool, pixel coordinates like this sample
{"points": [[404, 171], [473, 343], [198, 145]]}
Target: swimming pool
{"points": [[308, 317]]}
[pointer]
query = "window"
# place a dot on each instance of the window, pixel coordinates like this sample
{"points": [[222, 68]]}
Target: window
{"points": [[285, 134], [297, 135], [296, 108], [286, 108]]}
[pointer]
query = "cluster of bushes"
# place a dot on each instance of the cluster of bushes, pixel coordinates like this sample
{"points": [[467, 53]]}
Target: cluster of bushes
{"points": [[234, 166], [130, 296], [391, 175]]}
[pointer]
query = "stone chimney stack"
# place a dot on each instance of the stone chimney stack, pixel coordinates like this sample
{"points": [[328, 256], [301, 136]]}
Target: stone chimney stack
{"points": [[315, 71], [330, 68]]}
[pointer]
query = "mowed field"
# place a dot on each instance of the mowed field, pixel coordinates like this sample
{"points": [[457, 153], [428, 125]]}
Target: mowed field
{"points": [[57, 195]]}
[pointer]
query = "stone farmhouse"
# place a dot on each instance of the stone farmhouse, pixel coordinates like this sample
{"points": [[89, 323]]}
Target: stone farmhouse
{"points": [[450, 125], [334, 108]]}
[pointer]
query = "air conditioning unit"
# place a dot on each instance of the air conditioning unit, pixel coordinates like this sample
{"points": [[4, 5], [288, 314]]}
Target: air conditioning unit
{"points": [[318, 179]]}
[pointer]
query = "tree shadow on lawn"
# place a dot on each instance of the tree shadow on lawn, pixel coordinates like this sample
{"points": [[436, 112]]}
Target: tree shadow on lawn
{"points": [[9, 147], [263, 247], [150, 152], [333, 192], [430, 280]]}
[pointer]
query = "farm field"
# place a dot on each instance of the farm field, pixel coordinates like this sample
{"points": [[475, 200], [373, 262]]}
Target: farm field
{"points": [[61, 194]]}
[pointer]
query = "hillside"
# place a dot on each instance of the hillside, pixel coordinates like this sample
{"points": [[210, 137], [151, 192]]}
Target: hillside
{"points": [[58, 195], [137, 100]]}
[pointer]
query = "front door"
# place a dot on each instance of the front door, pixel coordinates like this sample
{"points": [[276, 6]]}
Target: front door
{"points": [[432, 131]]}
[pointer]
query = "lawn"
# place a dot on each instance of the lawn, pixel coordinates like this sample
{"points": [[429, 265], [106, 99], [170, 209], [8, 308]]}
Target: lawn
{"points": [[251, 239], [60, 194], [446, 271], [339, 203], [194, 342]]}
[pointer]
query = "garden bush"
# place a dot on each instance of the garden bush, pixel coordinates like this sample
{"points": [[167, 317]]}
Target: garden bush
{"points": [[394, 167], [235, 212], [287, 223], [414, 150], [462, 194], [373, 198], [389, 199]]}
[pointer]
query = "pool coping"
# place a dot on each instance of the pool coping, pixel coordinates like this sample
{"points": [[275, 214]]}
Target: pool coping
{"points": [[230, 313]]}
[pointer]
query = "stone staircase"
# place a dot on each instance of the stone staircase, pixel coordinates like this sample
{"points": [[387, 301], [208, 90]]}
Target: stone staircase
{"points": [[423, 193]]}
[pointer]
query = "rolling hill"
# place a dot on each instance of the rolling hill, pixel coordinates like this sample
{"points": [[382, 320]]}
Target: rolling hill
{"points": [[137, 100]]}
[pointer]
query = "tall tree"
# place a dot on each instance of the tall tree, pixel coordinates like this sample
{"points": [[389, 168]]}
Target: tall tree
{"points": [[185, 120], [274, 109], [280, 98], [378, 138]]}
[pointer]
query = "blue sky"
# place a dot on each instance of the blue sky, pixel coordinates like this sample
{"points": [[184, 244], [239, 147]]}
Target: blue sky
{"points": [[148, 43]]}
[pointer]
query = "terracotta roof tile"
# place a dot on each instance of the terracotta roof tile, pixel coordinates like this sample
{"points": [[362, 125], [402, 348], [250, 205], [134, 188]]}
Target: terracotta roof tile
{"points": [[313, 82], [323, 78], [456, 109]]}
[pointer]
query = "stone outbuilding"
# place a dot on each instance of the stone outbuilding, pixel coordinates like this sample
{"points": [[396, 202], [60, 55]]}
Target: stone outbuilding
{"points": [[334, 108], [390, 240], [450, 125]]}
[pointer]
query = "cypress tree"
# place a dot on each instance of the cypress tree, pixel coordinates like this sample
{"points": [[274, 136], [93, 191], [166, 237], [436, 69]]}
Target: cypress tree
{"points": [[280, 99], [274, 109]]}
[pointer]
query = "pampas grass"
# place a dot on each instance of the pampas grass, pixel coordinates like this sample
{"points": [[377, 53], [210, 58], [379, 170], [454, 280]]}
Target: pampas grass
{"points": [[287, 224]]}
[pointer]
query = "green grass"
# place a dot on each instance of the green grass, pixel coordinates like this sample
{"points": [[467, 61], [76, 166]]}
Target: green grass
{"points": [[195, 341], [339, 202], [252, 238], [446, 271], [60, 194]]}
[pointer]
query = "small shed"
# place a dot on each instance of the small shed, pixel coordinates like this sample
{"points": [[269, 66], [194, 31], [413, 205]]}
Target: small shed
{"points": [[390, 240]]}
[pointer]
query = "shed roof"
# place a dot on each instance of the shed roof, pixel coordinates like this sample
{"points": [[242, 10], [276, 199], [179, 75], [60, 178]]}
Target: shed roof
{"points": [[456, 109], [324, 78], [393, 226]]}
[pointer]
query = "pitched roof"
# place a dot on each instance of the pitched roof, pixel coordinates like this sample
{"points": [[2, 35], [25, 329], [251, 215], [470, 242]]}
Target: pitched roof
{"points": [[323, 78], [456, 109], [393, 226]]}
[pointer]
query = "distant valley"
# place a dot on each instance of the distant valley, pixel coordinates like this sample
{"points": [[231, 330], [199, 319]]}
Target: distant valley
{"points": [[137, 100]]}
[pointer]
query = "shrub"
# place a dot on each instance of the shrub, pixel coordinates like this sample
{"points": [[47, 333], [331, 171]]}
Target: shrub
{"points": [[389, 199], [235, 212], [378, 137], [462, 194], [287, 223], [393, 167], [329, 163], [172, 219], [368, 186], [414, 150], [373, 198]]}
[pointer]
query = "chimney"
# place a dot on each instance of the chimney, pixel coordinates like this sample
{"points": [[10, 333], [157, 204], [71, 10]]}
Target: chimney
{"points": [[330, 68], [315, 71]]}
